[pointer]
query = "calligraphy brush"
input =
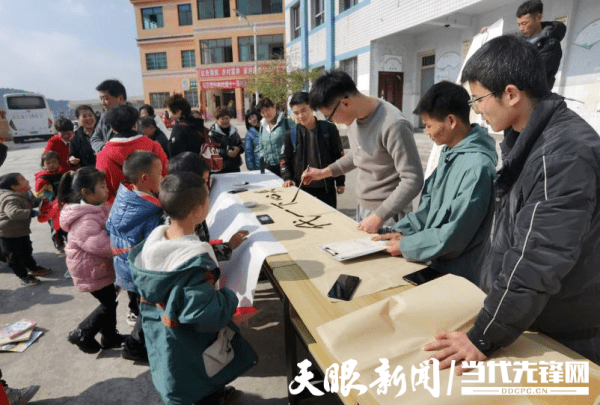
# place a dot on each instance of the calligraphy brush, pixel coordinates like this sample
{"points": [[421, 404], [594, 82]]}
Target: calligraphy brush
{"points": [[300, 185]]}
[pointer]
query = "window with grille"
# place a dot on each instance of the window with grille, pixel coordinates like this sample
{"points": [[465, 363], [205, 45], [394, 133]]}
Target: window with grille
{"points": [[270, 47], [157, 100], [152, 18], [350, 66], [216, 51], [185, 14], [155, 61], [346, 4], [188, 59], [295, 21], [318, 7], [192, 97], [208, 9]]}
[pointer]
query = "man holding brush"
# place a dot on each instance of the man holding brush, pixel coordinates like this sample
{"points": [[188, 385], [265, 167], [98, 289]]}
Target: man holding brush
{"points": [[382, 148], [317, 144]]}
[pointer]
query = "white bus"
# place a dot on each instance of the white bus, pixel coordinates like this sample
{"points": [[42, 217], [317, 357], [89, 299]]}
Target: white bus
{"points": [[28, 116]]}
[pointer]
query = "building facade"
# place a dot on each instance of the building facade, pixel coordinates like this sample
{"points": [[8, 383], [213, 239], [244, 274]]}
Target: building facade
{"points": [[396, 49], [200, 48]]}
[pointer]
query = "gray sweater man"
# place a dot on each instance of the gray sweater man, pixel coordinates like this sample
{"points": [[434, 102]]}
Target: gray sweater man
{"points": [[382, 148]]}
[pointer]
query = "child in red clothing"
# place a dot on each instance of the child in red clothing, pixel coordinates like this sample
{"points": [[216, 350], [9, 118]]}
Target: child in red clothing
{"points": [[124, 142], [61, 144], [46, 187]]}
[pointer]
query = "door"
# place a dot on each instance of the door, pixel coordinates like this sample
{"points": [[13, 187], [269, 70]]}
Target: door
{"points": [[390, 87]]}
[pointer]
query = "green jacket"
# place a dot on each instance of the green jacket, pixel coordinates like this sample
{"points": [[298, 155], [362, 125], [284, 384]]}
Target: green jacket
{"points": [[270, 143], [175, 353], [454, 218]]}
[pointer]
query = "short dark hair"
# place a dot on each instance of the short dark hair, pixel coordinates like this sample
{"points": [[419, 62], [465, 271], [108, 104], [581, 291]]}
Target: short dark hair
{"points": [[8, 180], [147, 122], [329, 87], [81, 108], [50, 155], [113, 87], [122, 118], [138, 163], [188, 162], [249, 114], [71, 183], [298, 98], [265, 102], [445, 98], [178, 103], [505, 60], [181, 192], [222, 112], [532, 7], [63, 124], [148, 108]]}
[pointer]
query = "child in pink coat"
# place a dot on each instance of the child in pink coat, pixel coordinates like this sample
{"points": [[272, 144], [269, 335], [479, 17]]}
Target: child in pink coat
{"points": [[89, 257]]}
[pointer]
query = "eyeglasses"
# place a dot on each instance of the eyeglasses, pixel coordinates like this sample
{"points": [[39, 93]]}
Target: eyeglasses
{"points": [[330, 118], [474, 101]]}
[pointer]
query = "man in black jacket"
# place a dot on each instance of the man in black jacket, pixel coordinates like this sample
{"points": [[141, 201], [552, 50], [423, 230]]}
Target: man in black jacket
{"points": [[315, 143], [545, 35], [541, 268]]}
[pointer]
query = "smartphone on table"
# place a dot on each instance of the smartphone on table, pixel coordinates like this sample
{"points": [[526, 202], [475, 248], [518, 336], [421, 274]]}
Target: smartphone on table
{"points": [[344, 287], [422, 276]]}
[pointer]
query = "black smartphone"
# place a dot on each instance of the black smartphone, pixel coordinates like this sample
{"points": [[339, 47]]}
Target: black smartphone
{"points": [[238, 190], [344, 287], [422, 276], [265, 219]]}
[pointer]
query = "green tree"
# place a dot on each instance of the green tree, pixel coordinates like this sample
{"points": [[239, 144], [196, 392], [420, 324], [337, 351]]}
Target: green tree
{"points": [[275, 82]]}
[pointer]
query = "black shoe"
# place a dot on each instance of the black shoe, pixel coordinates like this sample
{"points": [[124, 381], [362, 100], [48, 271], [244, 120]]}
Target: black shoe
{"points": [[134, 355], [112, 342], [86, 344], [223, 396]]}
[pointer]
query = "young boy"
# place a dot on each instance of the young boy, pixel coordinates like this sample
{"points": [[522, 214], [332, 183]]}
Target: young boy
{"points": [[453, 221], [317, 144], [134, 214], [124, 142], [181, 310]]}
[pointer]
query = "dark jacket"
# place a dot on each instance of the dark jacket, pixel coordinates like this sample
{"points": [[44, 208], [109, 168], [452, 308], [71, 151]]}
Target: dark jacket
{"points": [[548, 43], [81, 148], [541, 267], [295, 158], [251, 147], [161, 138], [3, 151], [228, 140], [186, 136]]}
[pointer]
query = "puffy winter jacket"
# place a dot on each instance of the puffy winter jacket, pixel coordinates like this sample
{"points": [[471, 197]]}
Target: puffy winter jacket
{"points": [[15, 214], [89, 258], [541, 271], [252, 151], [132, 218], [187, 136], [453, 221], [226, 140], [117, 149], [548, 43], [271, 141]]}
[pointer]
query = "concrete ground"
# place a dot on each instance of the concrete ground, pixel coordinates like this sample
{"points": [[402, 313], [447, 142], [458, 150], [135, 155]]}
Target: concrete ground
{"points": [[68, 376]]}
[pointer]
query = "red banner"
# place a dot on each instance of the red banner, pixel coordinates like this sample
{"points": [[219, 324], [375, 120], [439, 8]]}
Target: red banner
{"points": [[229, 71], [223, 84]]}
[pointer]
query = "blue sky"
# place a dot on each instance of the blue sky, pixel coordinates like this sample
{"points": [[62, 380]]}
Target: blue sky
{"points": [[65, 48]]}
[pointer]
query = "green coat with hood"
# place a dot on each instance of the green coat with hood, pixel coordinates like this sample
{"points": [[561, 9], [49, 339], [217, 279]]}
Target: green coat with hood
{"points": [[453, 221], [174, 273]]}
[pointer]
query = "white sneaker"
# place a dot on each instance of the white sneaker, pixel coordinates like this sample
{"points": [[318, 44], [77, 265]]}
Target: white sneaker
{"points": [[131, 319], [22, 396]]}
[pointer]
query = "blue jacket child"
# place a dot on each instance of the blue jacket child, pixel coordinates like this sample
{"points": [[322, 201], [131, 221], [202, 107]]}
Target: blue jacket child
{"points": [[132, 218]]}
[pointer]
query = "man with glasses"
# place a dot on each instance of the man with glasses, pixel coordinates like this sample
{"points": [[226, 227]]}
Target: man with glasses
{"points": [[382, 148], [540, 270], [111, 93]]}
